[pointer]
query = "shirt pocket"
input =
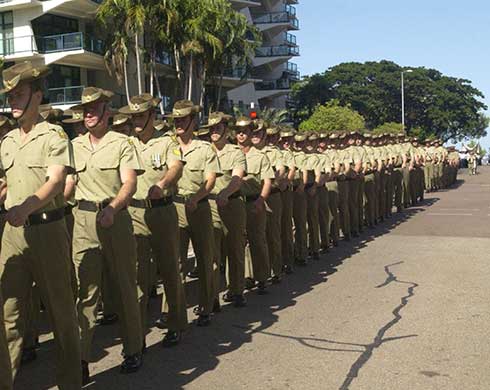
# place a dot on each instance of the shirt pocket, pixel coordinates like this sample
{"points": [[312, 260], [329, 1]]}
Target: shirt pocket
{"points": [[107, 162], [7, 161], [33, 161]]}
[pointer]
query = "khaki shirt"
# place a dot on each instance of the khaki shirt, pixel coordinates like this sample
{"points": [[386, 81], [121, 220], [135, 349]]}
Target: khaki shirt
{"points": [[230, 157], [98, 170], [326, 161], [274, 155], [288, 159], [201, 160], [24, 165], [156, 155], [299, 162], [258, 169]]}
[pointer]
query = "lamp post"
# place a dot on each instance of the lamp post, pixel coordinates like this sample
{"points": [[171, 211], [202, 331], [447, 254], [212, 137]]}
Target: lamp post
{"points": [[403, 97]]}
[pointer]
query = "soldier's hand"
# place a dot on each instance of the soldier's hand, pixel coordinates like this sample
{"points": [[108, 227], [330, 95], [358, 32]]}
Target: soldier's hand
{"points": [[221, 200], [259, 205], [106, 217], [17, 216], [191, 205], [155, 192]]}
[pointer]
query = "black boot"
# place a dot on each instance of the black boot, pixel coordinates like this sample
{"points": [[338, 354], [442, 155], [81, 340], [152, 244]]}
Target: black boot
{"points": [[171, 339], [239, 301], [28, 355], [85, 373], [131, 363]]}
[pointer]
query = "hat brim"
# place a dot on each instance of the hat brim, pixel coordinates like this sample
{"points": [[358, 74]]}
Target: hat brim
{"points": [[43, 71], [192, 111], [72, 120], [81, 106]]}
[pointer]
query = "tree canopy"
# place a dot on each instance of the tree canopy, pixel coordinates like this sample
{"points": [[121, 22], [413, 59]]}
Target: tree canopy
{"points": [[447, 107], [333, 117]]}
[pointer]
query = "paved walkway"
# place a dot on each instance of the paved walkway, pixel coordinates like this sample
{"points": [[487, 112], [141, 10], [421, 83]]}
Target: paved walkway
{"points": [[404, 307]]}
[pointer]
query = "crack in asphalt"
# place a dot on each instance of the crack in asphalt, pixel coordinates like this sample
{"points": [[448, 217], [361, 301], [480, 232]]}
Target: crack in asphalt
{"points": [[379, 340]]}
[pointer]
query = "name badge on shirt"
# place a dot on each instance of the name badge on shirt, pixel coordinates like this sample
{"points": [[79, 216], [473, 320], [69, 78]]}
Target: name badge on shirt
{"points": [[156, 162]]}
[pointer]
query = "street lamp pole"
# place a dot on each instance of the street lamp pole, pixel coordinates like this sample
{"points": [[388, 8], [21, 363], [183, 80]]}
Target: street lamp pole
{"points": [[403, 97]]}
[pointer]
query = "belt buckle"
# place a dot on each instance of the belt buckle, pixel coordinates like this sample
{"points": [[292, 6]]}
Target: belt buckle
{"points": [[148, 204], [99, 206]]}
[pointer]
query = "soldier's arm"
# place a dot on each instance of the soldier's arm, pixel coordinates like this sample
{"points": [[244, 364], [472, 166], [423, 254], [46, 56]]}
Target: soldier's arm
{"points": [[173, 174], [206, 188], [70, 185], [236, 182], [127, 190]]}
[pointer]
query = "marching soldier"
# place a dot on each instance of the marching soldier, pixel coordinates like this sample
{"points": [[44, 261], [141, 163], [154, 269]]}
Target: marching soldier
{"points": [[313, 182], [34, 161], [354, 182], [228, 210], [397, 173], [369, 167], [333, 189], [287, 237], [192, 202], [323, 203], [122, 124], [299, 200], [256, 188], [76, 121], [274, 202], [407, 167], [344, 160], [154, 216], [106, 168]]}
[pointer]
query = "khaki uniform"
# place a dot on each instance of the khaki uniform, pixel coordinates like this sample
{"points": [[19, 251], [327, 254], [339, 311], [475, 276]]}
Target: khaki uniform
{"points": [[274, 212], [381, 193], [323, 204], [156, 229], [5, 365], [397, 177], [354, 188], [287, 239], [28, 254], [95, 247], [230, 222], [258, 169], [344, 193], [200, 159], [369, 187], [299, 209], [333, 200], [407, 149]]}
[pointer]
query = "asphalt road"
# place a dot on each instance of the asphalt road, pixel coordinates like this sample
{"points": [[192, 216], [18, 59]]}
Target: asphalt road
{"points": [[403, 307]]}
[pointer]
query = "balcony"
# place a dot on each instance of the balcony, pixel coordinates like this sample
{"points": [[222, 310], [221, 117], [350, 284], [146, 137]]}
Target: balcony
{"points": [[65, 95], [290, 10], [240, 4], [292, 1], [289, 39], [69, 42], [18, 47], [273, 88], [164, 58], [235, 72], [276, 51], [292, 72], [276, 20]]}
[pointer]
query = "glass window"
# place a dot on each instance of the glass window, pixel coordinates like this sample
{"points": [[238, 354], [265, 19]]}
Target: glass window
{"points": [[6, 33]]}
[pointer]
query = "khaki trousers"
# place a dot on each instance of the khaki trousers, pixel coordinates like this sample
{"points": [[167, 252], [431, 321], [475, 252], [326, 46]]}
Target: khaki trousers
{"points": [[300, 232], [198, 227], [229, 225], [354, 205], [344, 214], [333, 205], [370, 193], [112, 248], [256, 235], [397, 178], [287, 238], [28, 255], [273, 229], [406, 186], [157, 237], [313, 222]]}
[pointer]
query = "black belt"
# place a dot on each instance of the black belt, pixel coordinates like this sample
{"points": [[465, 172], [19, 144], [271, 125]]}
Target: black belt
{"points": [[45, 217], [151, 203], [275, 190], [309, 185], [184, 199], [251, 198], [235, 195], [94, 207], [68, 210]]}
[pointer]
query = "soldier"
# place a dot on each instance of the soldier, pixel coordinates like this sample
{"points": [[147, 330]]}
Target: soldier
{"points": [[39, 153], [228, 210], [392, 155], [397, 173], [407, 167], [313, 182], [323, 203], [256, 188], [428, 165], [106, 168], [287, 238], [333, 189], [76, 121], [345, 161], [195, 219], [441, 156], [274, 201], [369, 167], [382, 157], [154, 215], [299, 201], [354, 179]]}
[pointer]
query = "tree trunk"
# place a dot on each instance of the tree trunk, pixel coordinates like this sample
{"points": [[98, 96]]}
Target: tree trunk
{"points": [[203, 88], [152, 70], [178, 87], [138, 62], [220, 89], [126, 83], [191, 76], [159, 91]]}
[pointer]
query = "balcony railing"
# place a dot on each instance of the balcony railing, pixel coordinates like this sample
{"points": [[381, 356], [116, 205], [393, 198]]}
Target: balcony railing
{"points": [[276, 17], [292, 72], [273, 85], [65, 95], [236, 72], [290, 39], [17, 45], [71, 41], [276, 51], [291, 10]]}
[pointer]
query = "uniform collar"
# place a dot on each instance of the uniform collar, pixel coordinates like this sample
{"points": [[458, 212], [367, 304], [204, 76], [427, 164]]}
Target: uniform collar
{"points": [[40, 128], [107, 139]]}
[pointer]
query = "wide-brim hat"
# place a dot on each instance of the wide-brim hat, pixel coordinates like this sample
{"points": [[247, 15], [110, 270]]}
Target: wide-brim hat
{"points": [[48, 112], [367, 136], [201, 132], [333, 136], [76, 116], [287, 133], [91, 95], [313, 137], [120, 120], [215, 118], [139, 104], [273, 130], [259, 125], [22, 72], [183, 108], [300, 137], [161, 125]]}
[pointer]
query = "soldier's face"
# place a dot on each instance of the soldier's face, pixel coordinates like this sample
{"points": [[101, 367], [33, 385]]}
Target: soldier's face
{"points": [[311, 146], [285, 143], [257, 137], [217, 132], [358, 141], [351, 141], [94, 113], [142, 120], [182, 125], [272, 139], [20, 97], [243, 136]]}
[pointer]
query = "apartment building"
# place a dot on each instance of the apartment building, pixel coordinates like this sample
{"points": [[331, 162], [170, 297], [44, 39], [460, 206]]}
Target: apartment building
{"points": [[274, 70], [62, 34]]}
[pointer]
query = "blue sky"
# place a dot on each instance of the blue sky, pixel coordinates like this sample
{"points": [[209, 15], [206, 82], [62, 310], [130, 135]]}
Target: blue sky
{"points": [[451, 36]]}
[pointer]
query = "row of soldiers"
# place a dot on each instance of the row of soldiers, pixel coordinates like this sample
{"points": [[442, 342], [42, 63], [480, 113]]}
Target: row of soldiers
{"points": [[119, 201]]}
